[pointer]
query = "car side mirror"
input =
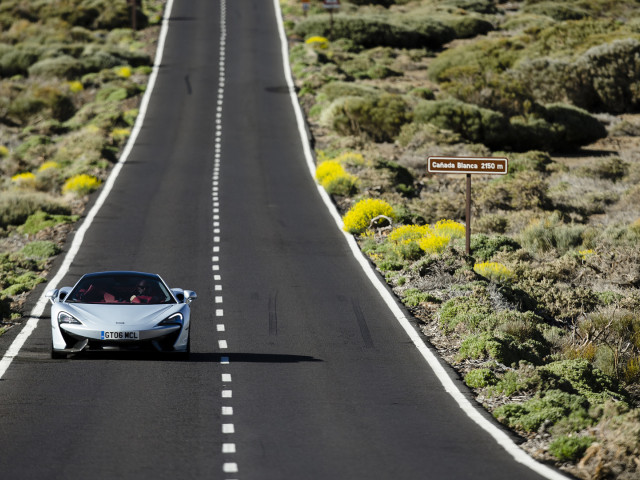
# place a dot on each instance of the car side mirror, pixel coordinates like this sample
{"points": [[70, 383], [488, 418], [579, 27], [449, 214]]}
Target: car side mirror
{"points": [[189, 296], [52, 295]]}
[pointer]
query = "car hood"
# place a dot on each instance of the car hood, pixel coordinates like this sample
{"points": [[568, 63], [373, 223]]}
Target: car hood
{"points": [[111, 315]]}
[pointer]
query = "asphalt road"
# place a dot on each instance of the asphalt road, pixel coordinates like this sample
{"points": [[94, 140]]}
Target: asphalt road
{"points": [[317, 380]]}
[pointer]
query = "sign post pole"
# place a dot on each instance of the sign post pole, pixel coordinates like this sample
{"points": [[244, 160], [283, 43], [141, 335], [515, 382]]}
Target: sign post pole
{"points": [[468, 217], [468, 166]]}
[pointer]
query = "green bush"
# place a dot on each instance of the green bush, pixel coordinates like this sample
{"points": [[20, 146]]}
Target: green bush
{"points": [[605, 81], [570, 448], [17, 284], [64, 66], [581, 377], [41, 220], [40, 250], [558, 11], [484, 247], [552, 233], [473, 123], [334, 90], [468, 311], [414, 297], [17, 61], [370, 32], [379, 118], [552, 407], [480, 378]]}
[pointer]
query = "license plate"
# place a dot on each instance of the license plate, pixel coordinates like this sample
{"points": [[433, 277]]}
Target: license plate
{"points": [[120, 336]]}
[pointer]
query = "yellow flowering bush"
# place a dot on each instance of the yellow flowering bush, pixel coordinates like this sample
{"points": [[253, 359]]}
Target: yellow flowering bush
{"points": [[119, 134], [76, 86], [585, 253], [359, 217], [24, 180], [405, 240], [496, 272], [350, 158], [81, 184], [47, 165], [335, 179], [124, 72], [449, 228], [317, 41], [4, 151], [434, 243]]}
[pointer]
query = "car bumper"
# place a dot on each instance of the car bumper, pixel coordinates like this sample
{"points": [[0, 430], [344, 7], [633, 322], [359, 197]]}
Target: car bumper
{"points": [[77, 338]]}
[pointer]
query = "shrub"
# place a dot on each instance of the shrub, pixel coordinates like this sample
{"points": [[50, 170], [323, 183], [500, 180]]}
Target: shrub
{"points": [[81, 184], [552, 407], [484, 247], [333, 90], [358, 218], [414, 297], [606, 82], [473, 123], [40, 250], [379, 118], [579, 376], [41, 220], [64, 66], [369, 32], [480, 378], [468, 311], [570, 448], [21, 283], [551, 233]]}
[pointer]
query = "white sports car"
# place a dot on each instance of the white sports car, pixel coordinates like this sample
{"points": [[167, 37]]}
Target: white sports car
{"points": [[120, 310]]}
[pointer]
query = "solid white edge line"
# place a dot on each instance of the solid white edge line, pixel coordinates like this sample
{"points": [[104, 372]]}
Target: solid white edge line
{"points": [[41, 304], [467, 407]]}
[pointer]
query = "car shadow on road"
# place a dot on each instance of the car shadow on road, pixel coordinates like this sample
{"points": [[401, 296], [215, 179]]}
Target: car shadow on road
{"points": [[195, 357], [239, 357]]}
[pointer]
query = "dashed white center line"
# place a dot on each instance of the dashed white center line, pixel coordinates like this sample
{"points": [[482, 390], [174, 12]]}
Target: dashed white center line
{"points": [[226, 377], [228, 448], [227, 410], [227, 393], [228, 428]]}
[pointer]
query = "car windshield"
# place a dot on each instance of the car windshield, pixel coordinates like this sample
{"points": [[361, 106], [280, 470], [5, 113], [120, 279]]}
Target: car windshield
{"points": [[121, 289]]}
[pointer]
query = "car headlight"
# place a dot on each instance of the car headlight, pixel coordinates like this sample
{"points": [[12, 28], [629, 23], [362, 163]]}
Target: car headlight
{"points": [[175, 319], [64, 317]]}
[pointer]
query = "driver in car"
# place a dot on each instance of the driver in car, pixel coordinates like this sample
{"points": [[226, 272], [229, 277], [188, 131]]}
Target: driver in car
{"points": [[144, 293]]}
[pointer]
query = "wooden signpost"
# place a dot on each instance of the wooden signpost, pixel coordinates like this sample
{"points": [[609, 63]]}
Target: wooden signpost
{"points": [[331, 5], [468, 166]]}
